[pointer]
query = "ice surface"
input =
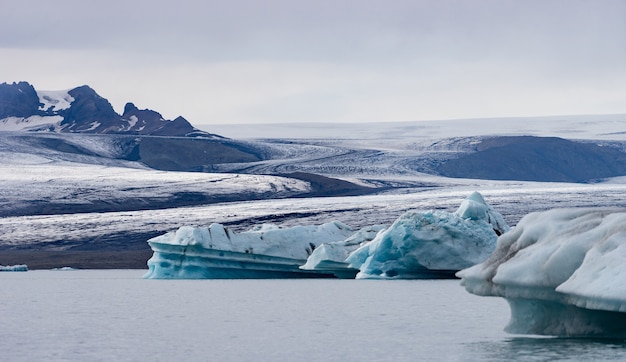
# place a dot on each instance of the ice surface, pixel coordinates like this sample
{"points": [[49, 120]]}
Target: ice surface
{"points": [[431, 243], [609, 126], [30, 181], [332, 256], [32, 122], [295, 242], [562, 272], [205, 252]]}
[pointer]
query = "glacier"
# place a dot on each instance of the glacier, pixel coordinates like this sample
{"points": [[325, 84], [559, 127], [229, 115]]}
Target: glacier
{"points": [[431, 244], [215, 252], [562, 272]]}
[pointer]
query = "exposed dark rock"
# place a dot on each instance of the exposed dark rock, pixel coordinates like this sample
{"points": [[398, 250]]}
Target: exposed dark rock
{"points": [[19, 100], [547, 159], [91, 113], [327, 186], [146, 121], [183, 154]]}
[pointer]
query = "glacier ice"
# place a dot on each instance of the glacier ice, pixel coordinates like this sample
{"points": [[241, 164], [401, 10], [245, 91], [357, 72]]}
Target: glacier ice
{"points": [[432, 243], [428, 244], [562, 271], [265, 251], [332, 256], [18, 267]]}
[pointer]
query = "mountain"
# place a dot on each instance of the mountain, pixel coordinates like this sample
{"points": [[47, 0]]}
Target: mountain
{"points": [[82, 110], [79, 124], [477, 150], [546, 159]]}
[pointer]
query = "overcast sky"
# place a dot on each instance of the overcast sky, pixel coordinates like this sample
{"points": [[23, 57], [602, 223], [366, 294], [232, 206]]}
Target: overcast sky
{"points": [[245, 61]]}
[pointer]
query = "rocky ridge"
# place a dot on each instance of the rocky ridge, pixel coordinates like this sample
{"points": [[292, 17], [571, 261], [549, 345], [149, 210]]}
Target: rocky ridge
{"points": [[82, 110]]}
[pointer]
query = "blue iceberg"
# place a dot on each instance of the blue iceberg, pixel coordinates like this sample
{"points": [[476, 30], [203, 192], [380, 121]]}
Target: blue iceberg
{"points": [[431, 244], [14, 268]]}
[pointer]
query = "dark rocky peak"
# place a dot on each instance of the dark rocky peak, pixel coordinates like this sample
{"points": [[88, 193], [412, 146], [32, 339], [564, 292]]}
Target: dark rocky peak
{"points": [[147, 121], [89, 112], [143, 121], [129, 108], [143, 115], [178, 126], [19, 100]]}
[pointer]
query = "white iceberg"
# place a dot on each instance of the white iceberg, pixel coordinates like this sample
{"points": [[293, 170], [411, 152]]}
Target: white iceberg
{"points": [[266, 251], [563, 273], [331, 257], [431, 244]]}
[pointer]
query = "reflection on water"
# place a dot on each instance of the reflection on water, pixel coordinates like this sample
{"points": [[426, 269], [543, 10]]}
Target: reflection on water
{"points": [[548, 349]]}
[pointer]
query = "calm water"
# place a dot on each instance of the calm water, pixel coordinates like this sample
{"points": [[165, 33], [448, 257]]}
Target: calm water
{"points": [[116, 315]]}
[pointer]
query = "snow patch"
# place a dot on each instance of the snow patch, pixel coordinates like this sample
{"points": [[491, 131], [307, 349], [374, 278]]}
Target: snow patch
{"points": [[94, 125], [132, 121], [55, 100], [30, 123]]}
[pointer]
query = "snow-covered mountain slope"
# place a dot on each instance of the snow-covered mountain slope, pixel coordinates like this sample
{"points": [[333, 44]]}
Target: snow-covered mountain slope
{"points": [[82, 110]]}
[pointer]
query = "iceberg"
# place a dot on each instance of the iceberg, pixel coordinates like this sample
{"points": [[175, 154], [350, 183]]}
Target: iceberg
{"points": [[331, 257], [265, 251], [18, 268], [562, 271], [431, 244]]}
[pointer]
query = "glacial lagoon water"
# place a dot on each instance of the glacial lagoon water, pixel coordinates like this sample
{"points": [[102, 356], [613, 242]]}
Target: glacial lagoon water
{"points": [[115, 315]]}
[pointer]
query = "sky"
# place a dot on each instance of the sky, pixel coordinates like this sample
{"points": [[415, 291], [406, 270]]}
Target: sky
{"points": [[338, 61]]}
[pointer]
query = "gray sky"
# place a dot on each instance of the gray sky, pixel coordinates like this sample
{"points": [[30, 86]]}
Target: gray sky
{"points": [[245, 61]]}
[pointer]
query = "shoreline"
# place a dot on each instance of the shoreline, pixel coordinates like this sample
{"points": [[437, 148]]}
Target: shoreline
{"points": [[82, 259]]}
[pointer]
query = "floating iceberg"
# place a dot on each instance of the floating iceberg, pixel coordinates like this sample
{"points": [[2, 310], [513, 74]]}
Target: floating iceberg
{"points": [[563, 273], [418, 245], [266, 251], [331, 257], [19, 268], [431, 244]]}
